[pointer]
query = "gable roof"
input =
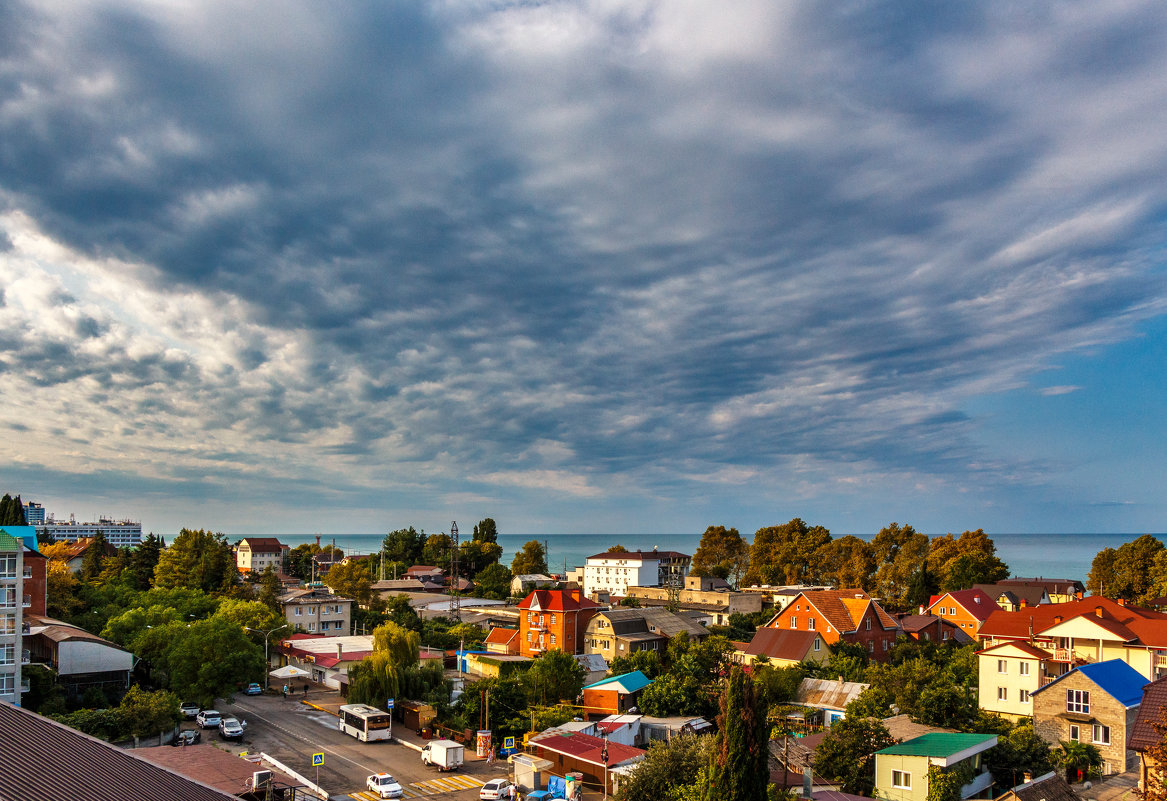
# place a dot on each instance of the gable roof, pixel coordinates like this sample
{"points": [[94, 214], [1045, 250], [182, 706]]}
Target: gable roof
{"points": [[781, 644], [263, 544], [586, 748], [976, 602], [557, 601], [645, 619], [42, 756], [842, 609], [1129, 623], [1114, 677], [500, 636], [1152, 711], [624, 683], [1054, 586], [1050, 787], [1015, 593], [1024, 647]]}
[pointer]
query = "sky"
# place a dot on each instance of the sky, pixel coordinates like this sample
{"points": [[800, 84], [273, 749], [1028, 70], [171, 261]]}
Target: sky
{"points": [[603, 267]]}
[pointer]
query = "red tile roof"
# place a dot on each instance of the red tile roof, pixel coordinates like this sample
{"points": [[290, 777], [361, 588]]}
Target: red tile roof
{"points": [[1152, 710], [586, 747], [501, 636], [781, 644], [263, 544], [558, 601], [1128, 623], [843, 609], [977, 603]]}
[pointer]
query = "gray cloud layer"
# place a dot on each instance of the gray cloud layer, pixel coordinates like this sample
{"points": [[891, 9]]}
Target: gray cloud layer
{"points": [[623, 253]]}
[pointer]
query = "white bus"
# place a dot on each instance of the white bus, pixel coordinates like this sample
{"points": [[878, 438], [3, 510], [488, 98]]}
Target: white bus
{"points": [[365, 722]]}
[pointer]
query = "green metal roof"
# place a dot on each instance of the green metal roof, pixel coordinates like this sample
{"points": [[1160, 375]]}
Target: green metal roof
{"points": [[937, 744], [8, 542]]}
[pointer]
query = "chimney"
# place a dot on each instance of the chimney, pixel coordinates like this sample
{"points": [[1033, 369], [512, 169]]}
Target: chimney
{"points": [[1077, 595], [339, 653], [1122, 601], [1057, 619], [1024, 603], [1098, 611], [1027, 777]]}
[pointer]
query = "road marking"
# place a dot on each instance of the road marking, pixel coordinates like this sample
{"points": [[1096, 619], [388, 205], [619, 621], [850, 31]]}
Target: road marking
{"points": [[449, 784], [301, 738]]}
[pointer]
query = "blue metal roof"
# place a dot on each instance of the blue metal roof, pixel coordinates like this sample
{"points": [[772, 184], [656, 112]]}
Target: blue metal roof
{"points": [[625, 683], [1115, 677]]}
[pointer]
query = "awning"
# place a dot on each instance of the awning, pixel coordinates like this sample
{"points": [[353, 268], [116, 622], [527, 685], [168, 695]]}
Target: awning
{"points": [[289, 672]]}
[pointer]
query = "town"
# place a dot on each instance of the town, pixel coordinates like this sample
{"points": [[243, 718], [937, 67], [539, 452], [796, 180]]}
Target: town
{"points": [[907, 668]]}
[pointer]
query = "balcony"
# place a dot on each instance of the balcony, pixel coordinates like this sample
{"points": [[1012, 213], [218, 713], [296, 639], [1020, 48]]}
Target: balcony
{"points": [[25, 656], [1062, 655], [978, 784], [1047, 680], [1159, 659]]}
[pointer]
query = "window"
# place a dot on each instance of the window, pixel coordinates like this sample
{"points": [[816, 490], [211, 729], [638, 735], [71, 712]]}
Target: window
{"points": [[1101, 734], [299, 611], [1078, 701], [540, 620], [528, 636], [7, 654], [1002, 666], [528, 617], [1002, 693], [1025, 696], [553, 639], [1074, 733], [8, 566], [869, 624], [312, 626], [1023, 669], [552, 619], [871, 646], [885, 643], [818, 643], [793, 622], [7, 684], [901, 779], [810, 624]]}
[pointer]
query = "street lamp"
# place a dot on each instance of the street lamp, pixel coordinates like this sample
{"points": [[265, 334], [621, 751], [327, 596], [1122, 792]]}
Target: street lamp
{"points": [[266, 660]]}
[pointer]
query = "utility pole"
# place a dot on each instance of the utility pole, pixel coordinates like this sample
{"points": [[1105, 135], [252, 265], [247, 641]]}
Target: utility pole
{"points": [[266, 661], [456, 604]]}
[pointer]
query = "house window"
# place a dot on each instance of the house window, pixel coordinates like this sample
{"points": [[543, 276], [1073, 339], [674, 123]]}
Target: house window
{"points": [[901, 779], [1074, 733], [1025, 696], [1078, 701], [810, 624], [540, 620], [869, 624], [885, 643], [7, 654], [552, 620], [1101, 734], [312, 626], [1002, 666], [553, 639], [871, 646], [528, 617], [1023, 669], [793, 622], [818, 643], [1002, 693], [299, 611], [528, 636]]}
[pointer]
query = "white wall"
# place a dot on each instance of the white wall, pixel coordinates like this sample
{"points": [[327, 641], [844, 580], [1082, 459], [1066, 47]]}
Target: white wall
{"points": [[86, 656]]}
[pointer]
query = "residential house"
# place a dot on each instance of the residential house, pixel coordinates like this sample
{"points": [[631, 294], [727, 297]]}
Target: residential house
{"points": [[615, 571], [1060, 591], [829, 696], [1096, 704], [931, 628], [525, 582], [778, 596], [501, 640], [1095, 629], [967, 609], [624, 631], [849, 616], [317, 611], [257, 554], [901, 771], [615, 695], [1009, 674], [75, 551], [427, 574], [326, 658], [387, 588], [783, 648], [1149, 732], [45, 759], [1050, 787], [705, 594], [554, 619], [598, 761], [323, 562], [1012, 597], [80, 659]]}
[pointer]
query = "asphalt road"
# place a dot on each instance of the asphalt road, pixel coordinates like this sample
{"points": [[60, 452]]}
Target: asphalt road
{"points": [[291, 732]]}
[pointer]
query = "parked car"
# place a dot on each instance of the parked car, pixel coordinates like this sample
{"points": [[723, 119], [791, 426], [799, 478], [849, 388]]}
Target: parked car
{"points": [[254, 689], [189, 710], [384, 785], [231, 729], [207, 719], [495, 789], [187, 737]]}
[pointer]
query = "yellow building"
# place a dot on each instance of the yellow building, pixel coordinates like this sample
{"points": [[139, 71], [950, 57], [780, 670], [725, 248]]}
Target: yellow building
{"points": [[1009, 673], [901, 771]]}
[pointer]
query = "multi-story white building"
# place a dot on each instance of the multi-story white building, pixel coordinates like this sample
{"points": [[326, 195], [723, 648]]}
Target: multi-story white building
{"points": [[11, 617], [118, 533], [256, 554], [615, 571], [317, 612]]}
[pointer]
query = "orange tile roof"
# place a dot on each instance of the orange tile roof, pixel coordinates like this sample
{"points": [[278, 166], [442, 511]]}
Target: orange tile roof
{"points": [[500, 635], [1130, 623], [843, 609], [967, 600]]}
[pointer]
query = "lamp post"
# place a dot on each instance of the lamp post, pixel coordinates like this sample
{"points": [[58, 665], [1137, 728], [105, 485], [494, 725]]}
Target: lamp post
{"points": [[266, 660]]}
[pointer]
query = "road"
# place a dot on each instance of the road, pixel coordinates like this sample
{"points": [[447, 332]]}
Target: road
{"points": [[291, 732]]}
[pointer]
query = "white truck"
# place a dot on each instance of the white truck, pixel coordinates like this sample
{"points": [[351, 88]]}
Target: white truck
{"points": [[445, 754]]}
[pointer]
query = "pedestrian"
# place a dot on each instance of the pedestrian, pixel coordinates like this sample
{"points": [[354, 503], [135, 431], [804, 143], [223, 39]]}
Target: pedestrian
{"points": [[305, 689], [285, 692]]}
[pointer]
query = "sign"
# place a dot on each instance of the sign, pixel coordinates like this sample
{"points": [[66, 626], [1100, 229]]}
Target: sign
{"points": [[390, 705], [318, 759], [508, 742]]}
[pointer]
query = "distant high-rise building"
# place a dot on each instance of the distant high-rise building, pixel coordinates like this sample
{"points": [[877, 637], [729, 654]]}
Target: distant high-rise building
{"points": [[118, 533], [34, 513]]}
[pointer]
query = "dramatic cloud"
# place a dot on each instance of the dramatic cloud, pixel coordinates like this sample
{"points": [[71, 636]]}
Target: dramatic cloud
{"points": [[563, 262]]}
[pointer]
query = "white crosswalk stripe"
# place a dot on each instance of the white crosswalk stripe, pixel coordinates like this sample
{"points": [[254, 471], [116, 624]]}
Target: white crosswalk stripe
{"points": [[448, 784]]}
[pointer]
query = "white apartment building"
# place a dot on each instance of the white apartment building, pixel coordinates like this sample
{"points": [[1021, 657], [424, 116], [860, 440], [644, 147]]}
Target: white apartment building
{"points": [[256, 554], [317, 612], [614, 572], [118, 533], [11, 617]]}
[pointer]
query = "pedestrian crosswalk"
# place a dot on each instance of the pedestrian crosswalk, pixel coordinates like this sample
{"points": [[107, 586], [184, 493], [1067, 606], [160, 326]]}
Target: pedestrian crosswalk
{"points": [[429, 789]]}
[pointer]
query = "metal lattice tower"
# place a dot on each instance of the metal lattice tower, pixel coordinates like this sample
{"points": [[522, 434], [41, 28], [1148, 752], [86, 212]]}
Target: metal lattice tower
{"points": [[456, 600]]}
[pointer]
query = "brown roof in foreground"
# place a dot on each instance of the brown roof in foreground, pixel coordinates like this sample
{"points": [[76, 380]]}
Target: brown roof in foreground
{"points": [[1152, 710], [46, 761], [213, 767], [1050, 787]]}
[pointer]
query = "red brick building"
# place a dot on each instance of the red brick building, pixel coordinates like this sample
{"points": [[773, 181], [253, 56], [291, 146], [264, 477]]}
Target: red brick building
{"points": [[841, 615], [554, 619]]}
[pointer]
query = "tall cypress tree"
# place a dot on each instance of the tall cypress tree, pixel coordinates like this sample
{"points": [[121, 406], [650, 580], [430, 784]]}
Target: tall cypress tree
{"points": [[740, 769], [5, 509]]}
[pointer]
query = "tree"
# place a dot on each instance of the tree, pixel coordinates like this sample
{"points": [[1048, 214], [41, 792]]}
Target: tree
{"points": [[1129, 572], [647, 662], [210, 658], [300, 562], [146, 713], [251, 614], [270, 589], [404, 545], [197, 560], [899, 552], [674, 694], [921, 588], [530, 559], [94, 556], [722, 554], [126, 628], [740, 768], [1078, 758], [553, 676], [353, 580], [847, 753], [617, 548], [960, 562], [493, 581], [1019, 752], [143, 561], [786, 554], [669, 766], [777, 685], [12, 511], [846, 562], [437, 550]]}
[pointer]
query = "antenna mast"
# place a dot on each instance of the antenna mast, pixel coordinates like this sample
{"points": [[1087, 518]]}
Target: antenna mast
{"points": [[456, 601]]}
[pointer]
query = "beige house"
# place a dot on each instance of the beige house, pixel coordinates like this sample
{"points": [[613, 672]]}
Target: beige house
{"points": [[901, 771], [317, 612], [1096, 704], [256, 554], [1009, 675], [704, 594], [623, 631]]}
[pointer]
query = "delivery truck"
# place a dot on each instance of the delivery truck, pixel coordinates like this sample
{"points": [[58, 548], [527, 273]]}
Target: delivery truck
{"points": [[445, 754]]}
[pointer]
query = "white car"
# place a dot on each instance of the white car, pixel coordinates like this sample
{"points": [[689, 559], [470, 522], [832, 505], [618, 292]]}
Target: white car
{"points": [[384, 785], [208, 718], [495, 789], [231, 729], [189, 710]]}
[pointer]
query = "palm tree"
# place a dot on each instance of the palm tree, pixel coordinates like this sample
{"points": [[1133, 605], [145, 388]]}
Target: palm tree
{"points": [[1077, 757]]}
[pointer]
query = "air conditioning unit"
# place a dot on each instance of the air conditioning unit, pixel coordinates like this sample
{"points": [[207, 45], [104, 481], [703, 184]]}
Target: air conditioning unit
{"points": [[261, 778]]}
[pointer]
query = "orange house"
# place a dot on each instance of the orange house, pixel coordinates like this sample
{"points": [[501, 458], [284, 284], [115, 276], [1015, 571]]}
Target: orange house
{"points": [[965, 609], [841, 615], [554, 619]]}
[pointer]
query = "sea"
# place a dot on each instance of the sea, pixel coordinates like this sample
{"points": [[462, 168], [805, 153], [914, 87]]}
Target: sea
{"points": [[1063, 556]]}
